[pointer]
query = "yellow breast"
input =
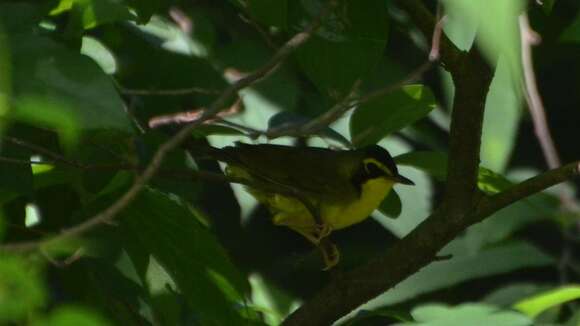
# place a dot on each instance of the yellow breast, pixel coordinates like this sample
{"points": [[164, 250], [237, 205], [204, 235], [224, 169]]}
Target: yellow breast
{"points": [[341, 215]]}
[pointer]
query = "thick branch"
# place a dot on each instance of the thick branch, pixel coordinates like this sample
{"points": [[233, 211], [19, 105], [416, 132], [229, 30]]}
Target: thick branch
{"points": [[472, 82], [472, 77]]}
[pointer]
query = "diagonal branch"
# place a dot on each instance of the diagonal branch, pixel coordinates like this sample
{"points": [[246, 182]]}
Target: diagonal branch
{"points": [[112, 211]]}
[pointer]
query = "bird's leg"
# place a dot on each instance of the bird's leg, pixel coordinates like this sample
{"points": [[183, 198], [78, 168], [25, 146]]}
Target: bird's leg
{"points": [[330, 253]]}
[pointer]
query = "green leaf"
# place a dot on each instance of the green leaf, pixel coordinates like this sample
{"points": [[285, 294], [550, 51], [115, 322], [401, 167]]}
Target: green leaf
{"points": [[501, 120], [572, 32], [348, 44], [535, 305], [497, 27], [464, 266], [21, 289], [92, 13], [188, 252], [54, 114], [466, 314], [67, 86], [490, 182], [94, 49], [72, 316], [434, 163], [391, 205], [374, 120], [268, 12]]}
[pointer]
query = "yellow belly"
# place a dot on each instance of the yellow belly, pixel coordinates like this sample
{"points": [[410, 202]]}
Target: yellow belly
{"points": [[291, 212], [340, 216]]}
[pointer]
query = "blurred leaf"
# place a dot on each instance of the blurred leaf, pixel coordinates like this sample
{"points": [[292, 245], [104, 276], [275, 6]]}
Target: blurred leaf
{"points": [[501, 120], [391, 205], [374, 120], [172, 38], [462, 267], [72, 316], [466, 314], [383, 316], [347, 46], [267, 12], [490, 182], [21, 16], [288, 119], [56, 115], [94, 49], [15, 178], [572, 32], [497, 27], [92, 13], [535, 305], [21, 289], [434, 163], [510, 294], [547, 6], [188, 252], [74, 90], [146, 8], [2, 223]]}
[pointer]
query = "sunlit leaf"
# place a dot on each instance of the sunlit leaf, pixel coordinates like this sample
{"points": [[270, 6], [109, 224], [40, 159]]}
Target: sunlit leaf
{"points": [[72, 316], [466, 314], [497, 27], [537, 304]]}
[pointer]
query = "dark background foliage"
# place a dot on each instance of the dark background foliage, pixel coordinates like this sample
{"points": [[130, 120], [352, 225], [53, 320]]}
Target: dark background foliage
{"points": [[81, 81]]}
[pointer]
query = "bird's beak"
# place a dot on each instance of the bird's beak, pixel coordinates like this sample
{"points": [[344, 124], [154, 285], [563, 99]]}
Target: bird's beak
{"points": [[403, 180]]}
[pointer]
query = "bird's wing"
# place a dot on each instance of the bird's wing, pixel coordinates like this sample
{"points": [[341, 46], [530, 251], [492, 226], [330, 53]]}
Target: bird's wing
{"points": [[311, 170]]}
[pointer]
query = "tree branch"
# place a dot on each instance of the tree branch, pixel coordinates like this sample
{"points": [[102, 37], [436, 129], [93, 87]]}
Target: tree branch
{"points": [[492, 204]]}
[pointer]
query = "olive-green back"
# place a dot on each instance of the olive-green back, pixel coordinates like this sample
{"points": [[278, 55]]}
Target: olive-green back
{"points": [[318, 172]]}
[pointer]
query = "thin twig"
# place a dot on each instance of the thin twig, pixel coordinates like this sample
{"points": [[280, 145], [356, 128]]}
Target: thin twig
{"points": [[39, 150], [172, 91], [339, 109], [532, 95], [112, 211], [437, 31]]}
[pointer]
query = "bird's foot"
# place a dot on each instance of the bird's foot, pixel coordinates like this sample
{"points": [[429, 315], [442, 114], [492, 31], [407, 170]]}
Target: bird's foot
{"points": [[330, 254]]}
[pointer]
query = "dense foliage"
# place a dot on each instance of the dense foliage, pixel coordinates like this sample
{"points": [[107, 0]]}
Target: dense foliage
{"points": [[91, 91]]}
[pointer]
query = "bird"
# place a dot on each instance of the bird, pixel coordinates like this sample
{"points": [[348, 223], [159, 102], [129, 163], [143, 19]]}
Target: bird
{"points": [[312, 190]]}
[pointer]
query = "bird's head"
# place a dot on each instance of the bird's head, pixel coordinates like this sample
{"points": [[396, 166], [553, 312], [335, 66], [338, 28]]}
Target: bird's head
{"points": [[378, 163]]}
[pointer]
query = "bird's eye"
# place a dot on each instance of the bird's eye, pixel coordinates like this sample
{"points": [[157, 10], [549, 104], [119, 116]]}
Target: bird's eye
{"points": [[373, 170]]}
